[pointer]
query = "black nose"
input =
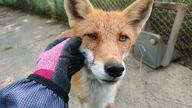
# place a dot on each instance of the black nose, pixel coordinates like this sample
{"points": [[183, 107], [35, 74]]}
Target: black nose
{"points": [[114, 69]]}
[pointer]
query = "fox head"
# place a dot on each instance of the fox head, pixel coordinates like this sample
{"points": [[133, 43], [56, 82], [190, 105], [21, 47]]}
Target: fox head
{"points": [[107, 36]]}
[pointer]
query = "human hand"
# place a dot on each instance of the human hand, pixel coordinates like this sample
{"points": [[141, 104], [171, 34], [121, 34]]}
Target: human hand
{"points": [[60, 60]]}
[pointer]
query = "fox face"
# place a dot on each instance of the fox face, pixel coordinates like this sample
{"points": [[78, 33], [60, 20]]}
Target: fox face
{"points": [[107, 36]]}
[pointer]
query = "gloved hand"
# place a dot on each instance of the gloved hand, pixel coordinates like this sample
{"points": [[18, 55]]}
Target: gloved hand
{"points": [[60, 60]]}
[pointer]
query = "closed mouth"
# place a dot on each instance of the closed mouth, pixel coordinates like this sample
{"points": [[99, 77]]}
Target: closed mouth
{"points": [[109, 81]]}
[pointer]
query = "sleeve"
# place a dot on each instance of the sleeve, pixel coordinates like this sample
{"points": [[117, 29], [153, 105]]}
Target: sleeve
{"points": [[28, 93]]}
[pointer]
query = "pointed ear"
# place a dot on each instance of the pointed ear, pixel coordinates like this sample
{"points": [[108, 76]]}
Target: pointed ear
{"points": [[139, 12], [77, 10]]}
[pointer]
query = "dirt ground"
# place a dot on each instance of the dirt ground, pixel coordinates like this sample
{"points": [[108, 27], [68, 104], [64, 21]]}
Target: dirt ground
{"points": [[23, 36]]}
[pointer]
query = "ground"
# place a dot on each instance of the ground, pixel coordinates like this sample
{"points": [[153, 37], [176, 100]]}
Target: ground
{"points": [[23, 36]]}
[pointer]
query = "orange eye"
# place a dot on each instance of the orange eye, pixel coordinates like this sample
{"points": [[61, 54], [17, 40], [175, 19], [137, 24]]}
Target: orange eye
{"points": [[123, 38], [92, 36]]}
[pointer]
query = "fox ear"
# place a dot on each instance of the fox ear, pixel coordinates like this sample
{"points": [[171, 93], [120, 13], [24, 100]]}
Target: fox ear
{"points": [[139, 12], [77, 10]]}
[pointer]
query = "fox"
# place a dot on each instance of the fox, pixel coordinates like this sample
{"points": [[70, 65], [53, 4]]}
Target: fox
{"points": [[107, 39]]}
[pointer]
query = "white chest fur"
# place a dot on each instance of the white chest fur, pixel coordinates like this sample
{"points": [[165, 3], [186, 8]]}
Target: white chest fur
{"points": [[97, 95]]}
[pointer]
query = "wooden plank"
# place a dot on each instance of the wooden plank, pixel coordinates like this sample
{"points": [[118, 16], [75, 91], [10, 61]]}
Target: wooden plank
{"points": [[181, 10], [170, 5]]}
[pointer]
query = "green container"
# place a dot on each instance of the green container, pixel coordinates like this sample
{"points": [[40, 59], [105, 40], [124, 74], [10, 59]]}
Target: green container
{"points": [[153, 49]]}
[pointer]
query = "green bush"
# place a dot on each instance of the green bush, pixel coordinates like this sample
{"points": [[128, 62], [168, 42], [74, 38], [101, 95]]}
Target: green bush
{"points": [[55, 9], [43, 7]]}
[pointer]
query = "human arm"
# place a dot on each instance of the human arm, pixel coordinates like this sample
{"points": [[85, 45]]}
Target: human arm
{"points": [[49, 85]]}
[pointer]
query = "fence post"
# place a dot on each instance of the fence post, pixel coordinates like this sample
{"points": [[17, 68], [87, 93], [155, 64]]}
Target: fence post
{"points": [[181, 10]]}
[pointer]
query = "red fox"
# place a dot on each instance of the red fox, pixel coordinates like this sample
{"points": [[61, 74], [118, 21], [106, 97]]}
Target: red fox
{"points": [[107, 40]]}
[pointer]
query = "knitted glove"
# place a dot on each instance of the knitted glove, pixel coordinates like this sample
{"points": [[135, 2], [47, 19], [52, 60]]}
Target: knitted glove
{"points": [[60, 60]]}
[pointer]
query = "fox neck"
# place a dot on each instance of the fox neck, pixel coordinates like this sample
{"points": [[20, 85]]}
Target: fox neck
{"points": [[97, 95]]}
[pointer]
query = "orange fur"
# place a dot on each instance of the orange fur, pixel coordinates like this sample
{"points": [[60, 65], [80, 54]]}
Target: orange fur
{"points": [[75, 84], [110, 106], [108, 27]]}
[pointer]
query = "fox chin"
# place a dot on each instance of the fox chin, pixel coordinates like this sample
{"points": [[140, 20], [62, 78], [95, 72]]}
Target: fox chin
{"points": [[107, 39]]}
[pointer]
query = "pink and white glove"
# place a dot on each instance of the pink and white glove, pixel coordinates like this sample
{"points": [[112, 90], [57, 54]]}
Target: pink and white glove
{"points": [[56, 65]]}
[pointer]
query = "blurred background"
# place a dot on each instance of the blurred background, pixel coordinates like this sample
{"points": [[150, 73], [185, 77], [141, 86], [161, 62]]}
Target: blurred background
{"points": [[28, 26], [161, 20]]}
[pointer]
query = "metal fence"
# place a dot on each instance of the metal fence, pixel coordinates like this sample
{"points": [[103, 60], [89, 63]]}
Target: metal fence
{"points": [[161, 19], [162, 22]]}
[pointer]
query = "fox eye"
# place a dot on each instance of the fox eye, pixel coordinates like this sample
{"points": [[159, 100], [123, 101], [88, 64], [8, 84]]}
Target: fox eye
{"points": [[123, 38], [92, 36]]}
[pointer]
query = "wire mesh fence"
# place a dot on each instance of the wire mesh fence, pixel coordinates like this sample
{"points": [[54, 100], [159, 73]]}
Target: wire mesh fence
{"points": [[111, 4], [161, 19]]}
